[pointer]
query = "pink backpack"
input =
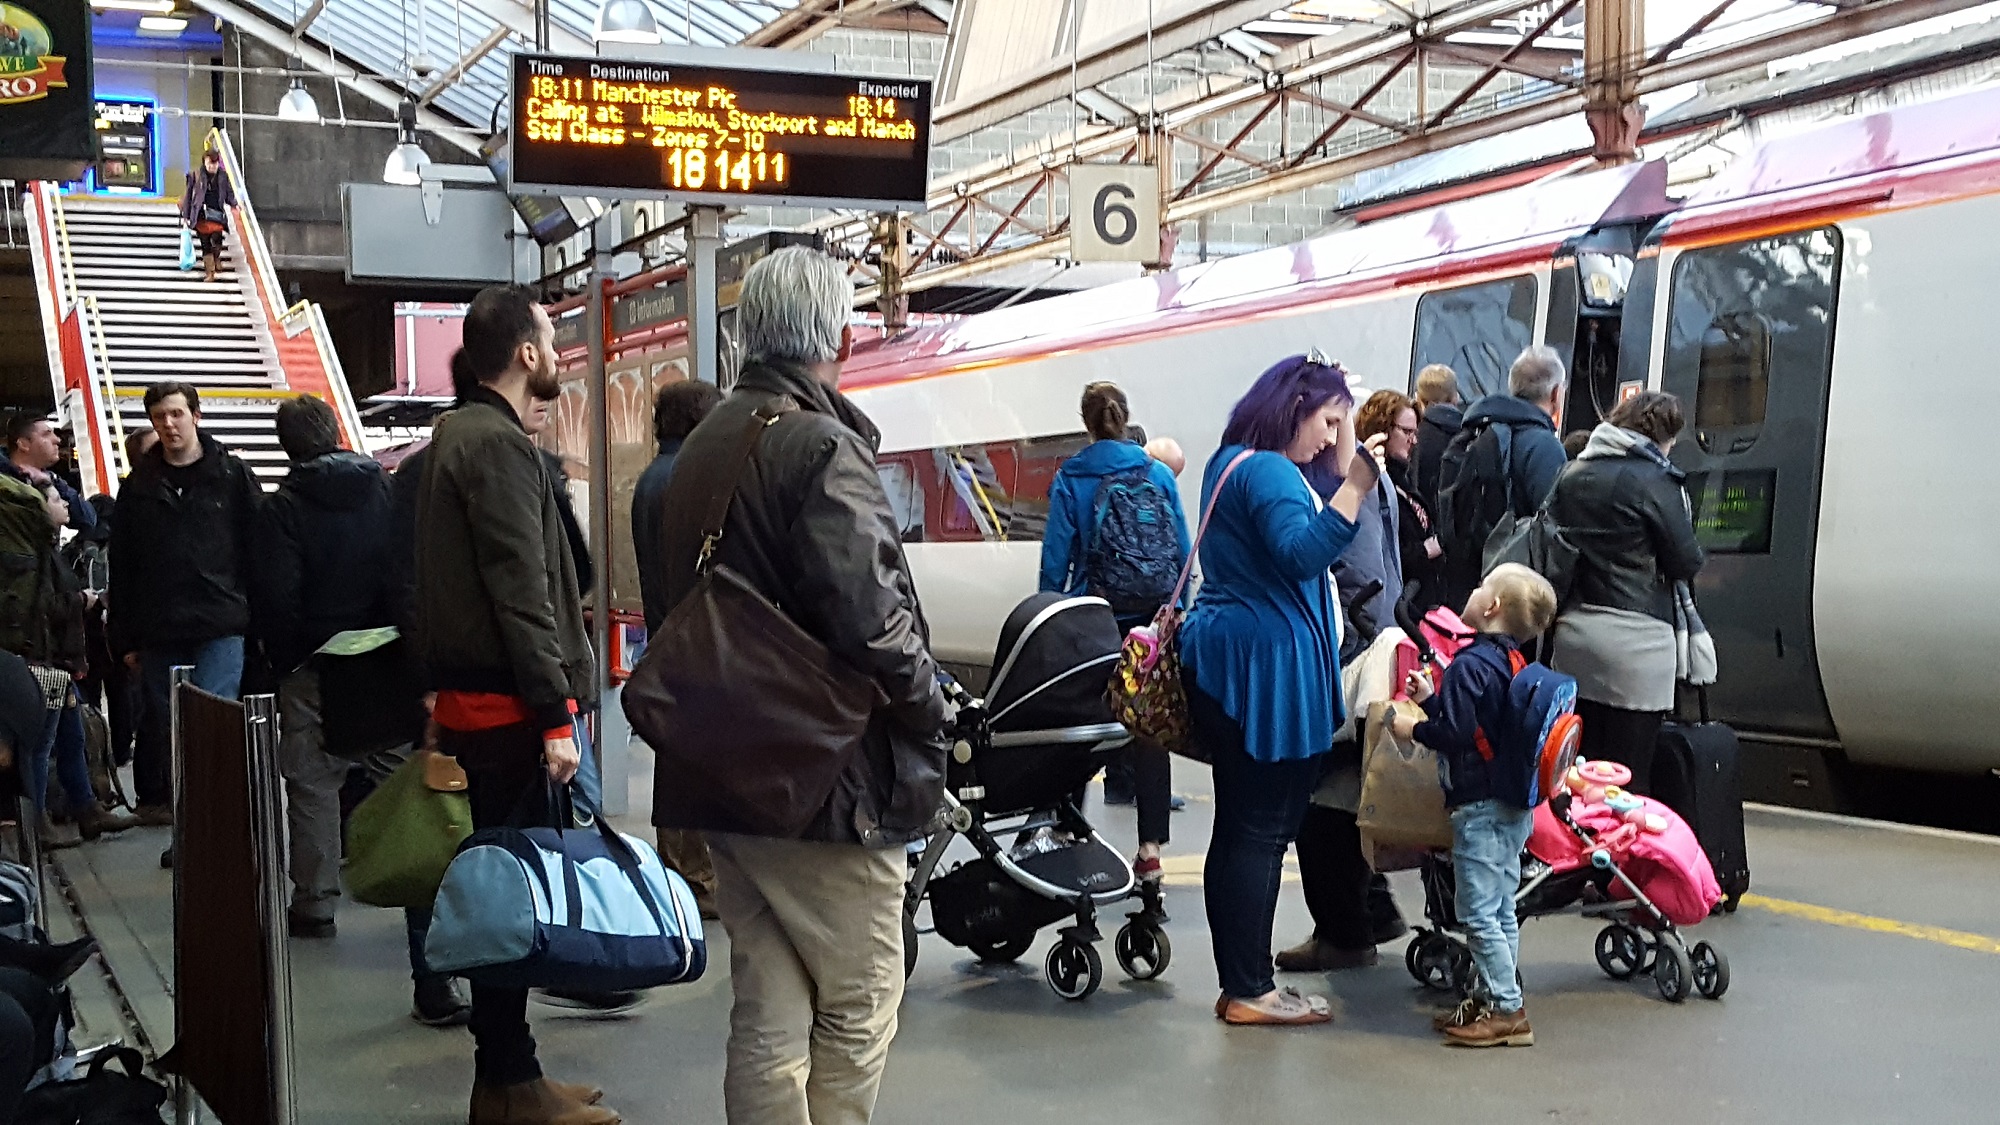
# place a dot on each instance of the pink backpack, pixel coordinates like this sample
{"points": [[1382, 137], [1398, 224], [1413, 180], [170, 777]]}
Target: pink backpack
{"points": [[1443, 635]]}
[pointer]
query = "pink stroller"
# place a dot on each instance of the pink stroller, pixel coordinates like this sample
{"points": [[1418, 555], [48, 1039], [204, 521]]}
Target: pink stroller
{"points": [[1601, 853]]}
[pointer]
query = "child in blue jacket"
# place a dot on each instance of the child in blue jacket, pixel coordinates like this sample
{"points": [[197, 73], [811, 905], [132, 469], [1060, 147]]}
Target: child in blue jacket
{"points": [[1513, 606]]}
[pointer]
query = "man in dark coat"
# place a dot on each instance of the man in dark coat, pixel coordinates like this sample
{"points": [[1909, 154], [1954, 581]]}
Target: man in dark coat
{"points": [[1521, 422], [1439, 417], [181, 555], [500, 636], [815, 923], [677, 410]]}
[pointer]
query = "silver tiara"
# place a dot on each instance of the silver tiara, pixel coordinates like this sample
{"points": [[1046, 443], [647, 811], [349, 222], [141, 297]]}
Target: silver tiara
{"points": [[1314, 355]]}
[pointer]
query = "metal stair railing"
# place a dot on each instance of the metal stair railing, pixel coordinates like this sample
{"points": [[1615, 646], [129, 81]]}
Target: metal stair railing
{"points": [[106, 387], [72, 322], [303, 315]]}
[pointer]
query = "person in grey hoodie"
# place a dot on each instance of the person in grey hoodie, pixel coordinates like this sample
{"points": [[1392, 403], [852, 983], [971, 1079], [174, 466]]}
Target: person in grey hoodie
{"points": [[1624, 506]]}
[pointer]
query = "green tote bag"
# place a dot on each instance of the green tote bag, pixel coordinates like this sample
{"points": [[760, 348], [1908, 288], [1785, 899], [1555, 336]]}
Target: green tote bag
{"points": [[402, 837]]}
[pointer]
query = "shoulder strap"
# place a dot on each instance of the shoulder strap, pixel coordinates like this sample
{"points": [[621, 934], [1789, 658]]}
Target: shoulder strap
{"points": [[1208, 512], [715, 509], [1504, 435]]}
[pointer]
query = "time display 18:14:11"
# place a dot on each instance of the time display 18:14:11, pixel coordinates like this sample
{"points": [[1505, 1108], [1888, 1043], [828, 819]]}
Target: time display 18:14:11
{"points": [[694, 169]]}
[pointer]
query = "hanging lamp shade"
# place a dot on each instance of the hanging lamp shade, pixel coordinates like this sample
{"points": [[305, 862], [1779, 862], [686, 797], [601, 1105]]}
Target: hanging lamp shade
{"points": [[406, 163], [298, 103], [626, 21]]}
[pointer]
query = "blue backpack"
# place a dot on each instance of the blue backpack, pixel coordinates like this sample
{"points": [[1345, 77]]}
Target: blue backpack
{"points": [[1537, 742], [1133, 556]]}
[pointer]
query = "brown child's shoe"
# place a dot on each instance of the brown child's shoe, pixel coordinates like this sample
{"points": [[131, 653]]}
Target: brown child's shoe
{"points": [[1493, 1029], [1468, 1010]]}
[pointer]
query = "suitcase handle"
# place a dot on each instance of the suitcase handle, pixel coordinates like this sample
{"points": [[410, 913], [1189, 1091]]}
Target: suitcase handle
{"points": [[1701, 701]]}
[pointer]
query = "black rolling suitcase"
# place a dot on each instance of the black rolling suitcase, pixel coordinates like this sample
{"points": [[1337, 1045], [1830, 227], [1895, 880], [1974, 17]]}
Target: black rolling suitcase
{"points": [[1697, 772]]}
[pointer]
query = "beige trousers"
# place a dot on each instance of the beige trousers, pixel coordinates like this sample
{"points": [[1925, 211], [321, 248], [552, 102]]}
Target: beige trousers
{"points": [[816, 964]]}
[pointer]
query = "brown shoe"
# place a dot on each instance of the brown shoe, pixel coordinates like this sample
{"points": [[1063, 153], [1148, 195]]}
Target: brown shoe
{"points": [[209, 266], [54, 838], [155, 816], [95, 820], [533, 1103], [577, 1091], [1468, 1010], [1493, 1029], [1315, 956]]}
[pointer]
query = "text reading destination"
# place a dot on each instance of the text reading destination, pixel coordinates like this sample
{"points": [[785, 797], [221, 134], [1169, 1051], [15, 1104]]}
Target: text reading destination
{"points": [[714, 131]]}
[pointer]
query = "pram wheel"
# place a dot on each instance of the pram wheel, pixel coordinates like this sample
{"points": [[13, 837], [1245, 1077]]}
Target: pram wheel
{"points": [[1621, 951], [1075, 969], [1438, 962], [1711, 970], [1673, 972], [1143, 950], [1004, 952]]}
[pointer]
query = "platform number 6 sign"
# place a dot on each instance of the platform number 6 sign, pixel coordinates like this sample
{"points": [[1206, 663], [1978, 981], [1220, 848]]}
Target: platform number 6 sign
{"points": [[1114, 212]]}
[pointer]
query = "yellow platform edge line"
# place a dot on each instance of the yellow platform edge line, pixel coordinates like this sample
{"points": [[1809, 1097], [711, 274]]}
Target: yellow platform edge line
{"points": [[1958, 939]]}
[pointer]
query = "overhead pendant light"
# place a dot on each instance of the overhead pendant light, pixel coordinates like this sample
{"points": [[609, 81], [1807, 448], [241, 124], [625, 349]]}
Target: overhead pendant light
{"points": [[626, 21], [406, 162], [298, 103], [163, 25], [158, 7]]}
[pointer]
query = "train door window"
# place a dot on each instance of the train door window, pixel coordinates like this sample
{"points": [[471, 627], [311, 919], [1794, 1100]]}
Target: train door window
{"points": [[1476, 330], [996, 492], [1733, 383]]}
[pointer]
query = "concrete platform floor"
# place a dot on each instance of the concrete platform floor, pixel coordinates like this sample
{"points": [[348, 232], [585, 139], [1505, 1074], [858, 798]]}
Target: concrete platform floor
{"points": [[1864, 977]]}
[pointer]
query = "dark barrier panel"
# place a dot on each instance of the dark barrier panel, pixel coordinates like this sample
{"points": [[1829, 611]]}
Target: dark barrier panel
{"points": [[232, 982]]}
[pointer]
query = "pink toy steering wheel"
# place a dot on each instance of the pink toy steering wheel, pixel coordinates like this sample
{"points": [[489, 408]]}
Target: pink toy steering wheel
{"points": [[1601, 772]]}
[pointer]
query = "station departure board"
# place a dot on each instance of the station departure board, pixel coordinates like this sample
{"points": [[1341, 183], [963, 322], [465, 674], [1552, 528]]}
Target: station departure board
{"points": [[709, 134]]}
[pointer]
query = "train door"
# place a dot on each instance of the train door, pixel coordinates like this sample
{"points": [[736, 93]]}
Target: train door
{"points": [[1748, 347], [1586, 311]]}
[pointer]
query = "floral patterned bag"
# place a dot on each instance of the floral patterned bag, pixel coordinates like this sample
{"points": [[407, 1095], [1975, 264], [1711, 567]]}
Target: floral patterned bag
{"points": [[1145, 692]]}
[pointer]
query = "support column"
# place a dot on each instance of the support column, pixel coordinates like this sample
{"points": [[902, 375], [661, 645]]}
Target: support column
{"points": [[892, 236], [611, 754], [1614, 46], [704, 315]]}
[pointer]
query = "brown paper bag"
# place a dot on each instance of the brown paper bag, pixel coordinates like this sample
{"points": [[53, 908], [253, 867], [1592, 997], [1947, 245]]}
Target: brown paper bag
{"points": [[1402, 804]]}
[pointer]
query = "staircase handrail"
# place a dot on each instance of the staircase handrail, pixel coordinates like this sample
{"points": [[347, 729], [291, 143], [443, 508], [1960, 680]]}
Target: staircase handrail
{"points": [[105, 385], [68, 280], [302, 315], [336, 376]]}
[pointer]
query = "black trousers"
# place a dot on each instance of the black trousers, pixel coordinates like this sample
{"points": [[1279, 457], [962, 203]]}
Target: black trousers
{"points": [[505, 775], [1618, 735], [1349, 902]]}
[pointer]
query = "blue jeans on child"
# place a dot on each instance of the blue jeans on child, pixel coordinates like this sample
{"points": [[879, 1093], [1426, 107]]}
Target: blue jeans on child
{"points": [[1486, 841]]}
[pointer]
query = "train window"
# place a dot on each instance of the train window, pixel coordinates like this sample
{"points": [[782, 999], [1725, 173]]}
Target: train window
{"points": [[993, 493], [1732, 510], [1739, 310], [1476, 330]]}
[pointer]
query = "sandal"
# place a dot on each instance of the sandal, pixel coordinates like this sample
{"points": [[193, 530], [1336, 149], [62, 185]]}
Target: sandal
{"points": [[1286, 1007]]}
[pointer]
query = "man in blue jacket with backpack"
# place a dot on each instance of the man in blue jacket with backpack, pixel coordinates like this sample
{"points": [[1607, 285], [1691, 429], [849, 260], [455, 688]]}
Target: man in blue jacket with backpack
{"points": [[1116, 531]]}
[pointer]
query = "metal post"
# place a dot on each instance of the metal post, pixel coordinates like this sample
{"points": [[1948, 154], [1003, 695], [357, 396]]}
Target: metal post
{"points": [[598, 329], [267, 829], [187, 1109], [704, 315]]}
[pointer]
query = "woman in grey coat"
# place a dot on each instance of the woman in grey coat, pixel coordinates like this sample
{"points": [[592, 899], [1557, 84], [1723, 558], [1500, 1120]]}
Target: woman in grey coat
{"points": [[1623, 504]]}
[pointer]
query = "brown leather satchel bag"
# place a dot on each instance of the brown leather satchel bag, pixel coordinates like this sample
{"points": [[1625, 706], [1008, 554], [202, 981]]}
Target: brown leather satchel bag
{"points": [[751, 719]]}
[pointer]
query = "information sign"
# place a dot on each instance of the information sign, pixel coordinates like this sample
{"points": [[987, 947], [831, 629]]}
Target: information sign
{"points": [[125, 145], [1114, 212], [718, 134]]}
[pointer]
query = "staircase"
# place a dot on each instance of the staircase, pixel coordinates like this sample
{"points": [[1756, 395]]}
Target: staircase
{"points": [[126, 316], [160, 324]]}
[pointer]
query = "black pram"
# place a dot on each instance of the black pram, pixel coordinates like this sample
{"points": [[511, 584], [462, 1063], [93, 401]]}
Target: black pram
{"points": [[1018, 760]]}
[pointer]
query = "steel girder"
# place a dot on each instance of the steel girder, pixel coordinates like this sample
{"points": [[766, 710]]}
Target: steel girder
{"points": [[949, 242]]}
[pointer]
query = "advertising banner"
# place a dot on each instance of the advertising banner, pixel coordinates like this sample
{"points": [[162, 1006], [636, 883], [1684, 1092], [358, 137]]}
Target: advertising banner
{"points": [[47, 117]]}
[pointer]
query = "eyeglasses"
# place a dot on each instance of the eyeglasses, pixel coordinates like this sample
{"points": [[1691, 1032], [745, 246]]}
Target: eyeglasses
{"points": [[1406, 431]]}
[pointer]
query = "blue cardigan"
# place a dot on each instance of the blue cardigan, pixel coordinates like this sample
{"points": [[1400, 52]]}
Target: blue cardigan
{"points": [[1073, 508], [1263, 639]]}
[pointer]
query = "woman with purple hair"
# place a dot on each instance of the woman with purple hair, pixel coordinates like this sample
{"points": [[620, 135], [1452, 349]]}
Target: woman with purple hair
{"points": [[1261, 656]]}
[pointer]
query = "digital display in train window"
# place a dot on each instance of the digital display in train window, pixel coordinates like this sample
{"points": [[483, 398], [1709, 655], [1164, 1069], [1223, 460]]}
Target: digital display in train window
{"points": [[1732, 510]]}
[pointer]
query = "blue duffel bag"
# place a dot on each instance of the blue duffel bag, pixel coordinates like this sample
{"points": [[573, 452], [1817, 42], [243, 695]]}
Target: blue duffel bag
{"points": [[576, 909]]}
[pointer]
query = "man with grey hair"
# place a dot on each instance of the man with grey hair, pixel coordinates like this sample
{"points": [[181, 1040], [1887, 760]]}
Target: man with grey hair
{"points": [[815, 922], [1504, 459]]}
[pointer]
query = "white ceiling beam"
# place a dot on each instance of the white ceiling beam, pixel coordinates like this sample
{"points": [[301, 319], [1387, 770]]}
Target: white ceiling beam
{"points": [[466, 62], [375, 90], [519, 18]]}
